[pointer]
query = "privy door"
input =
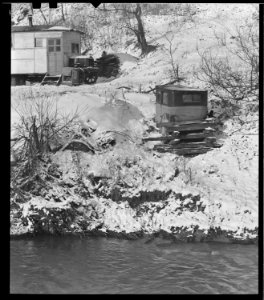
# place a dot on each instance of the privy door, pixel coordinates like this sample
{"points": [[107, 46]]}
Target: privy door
{"points": [[55, 59]]}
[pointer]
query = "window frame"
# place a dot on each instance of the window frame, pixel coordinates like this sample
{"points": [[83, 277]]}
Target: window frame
{"points": [[159, 97], [35, 43], [75, 46], [192, 100], [166, 98], [54, 45]]}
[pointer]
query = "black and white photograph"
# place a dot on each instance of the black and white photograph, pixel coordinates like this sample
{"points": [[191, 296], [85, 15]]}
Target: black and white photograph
{"points": [[134, 148]]}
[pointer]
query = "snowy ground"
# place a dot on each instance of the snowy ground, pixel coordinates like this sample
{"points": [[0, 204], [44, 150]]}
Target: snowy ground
{"points": [[225, 179]]}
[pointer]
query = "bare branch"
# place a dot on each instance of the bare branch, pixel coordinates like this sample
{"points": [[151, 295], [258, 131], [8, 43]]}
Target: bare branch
{"points": [[43, 16]]}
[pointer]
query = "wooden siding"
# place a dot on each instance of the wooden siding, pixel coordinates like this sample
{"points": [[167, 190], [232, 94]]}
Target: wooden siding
{"points": [[55, 63], [22, 66], [29, 61], [40, 60], [68, 39], [27, 54], [46, 34], [24, 40], [180, 113]]}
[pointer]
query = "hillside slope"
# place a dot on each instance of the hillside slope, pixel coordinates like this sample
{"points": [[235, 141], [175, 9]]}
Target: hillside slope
{"points": [[214, 196]]}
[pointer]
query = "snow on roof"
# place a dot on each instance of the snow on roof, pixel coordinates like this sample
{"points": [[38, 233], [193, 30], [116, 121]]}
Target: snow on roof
{"points": [[61, 28], [42, 28], [179, 88], [29, 28]]}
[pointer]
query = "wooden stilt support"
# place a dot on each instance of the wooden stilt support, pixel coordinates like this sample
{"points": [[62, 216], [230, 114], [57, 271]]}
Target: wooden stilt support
{"points": [[187, 138]]}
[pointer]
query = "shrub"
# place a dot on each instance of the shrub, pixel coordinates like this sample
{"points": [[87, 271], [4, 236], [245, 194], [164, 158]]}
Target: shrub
{"points": [[39, 125], [131, 169], [233, 76]]}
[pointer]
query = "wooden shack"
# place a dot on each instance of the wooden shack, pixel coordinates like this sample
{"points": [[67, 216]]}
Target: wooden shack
{"points": [[178, 104], [41, 49], [181, 115]]}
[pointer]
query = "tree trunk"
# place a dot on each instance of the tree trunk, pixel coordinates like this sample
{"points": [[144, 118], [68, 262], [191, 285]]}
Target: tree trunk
{"points": [[62, 13], [141, 32], [43, 16]]}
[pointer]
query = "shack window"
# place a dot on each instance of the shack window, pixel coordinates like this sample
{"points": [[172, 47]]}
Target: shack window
{"points": [[75, 48], [166, 98], [196, 98], [54, 45], [191, 98], [38, 42], [159, 97], [174, 99]]}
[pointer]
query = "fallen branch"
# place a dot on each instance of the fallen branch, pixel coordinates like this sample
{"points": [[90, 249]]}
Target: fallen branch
{"points": [[124, 87], [121, 133], [88, 146], [26, 182]]}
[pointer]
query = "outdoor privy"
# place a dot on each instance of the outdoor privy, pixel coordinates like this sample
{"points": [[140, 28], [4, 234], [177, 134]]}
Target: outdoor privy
{"points": [[177, 103]]}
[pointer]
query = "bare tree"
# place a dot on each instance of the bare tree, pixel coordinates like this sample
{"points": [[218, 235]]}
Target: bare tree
{"points": [[62, 12], [171, 48], [246, 49], [43, 16], [233, 77], [132, 20], [139, 30], [170, 51]]}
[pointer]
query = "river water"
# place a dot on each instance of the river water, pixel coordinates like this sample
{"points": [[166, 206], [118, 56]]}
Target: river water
{"points": [[71, 265]]}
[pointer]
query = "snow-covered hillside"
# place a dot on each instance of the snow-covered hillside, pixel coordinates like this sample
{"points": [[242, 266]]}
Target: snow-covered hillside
{"points": [[226, 179]]}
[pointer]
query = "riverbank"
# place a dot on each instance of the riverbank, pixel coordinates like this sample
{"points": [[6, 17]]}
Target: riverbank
{"points": [[130, 192], [110, 183]]}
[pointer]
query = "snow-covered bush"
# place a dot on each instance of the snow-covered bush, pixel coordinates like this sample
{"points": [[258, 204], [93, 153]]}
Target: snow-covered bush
{"points": [[39, 125], [132, 168]]}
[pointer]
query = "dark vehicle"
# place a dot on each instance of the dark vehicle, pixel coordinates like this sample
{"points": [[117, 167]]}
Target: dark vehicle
{"points": [[86, 70], [108, 65], [83, 72]]}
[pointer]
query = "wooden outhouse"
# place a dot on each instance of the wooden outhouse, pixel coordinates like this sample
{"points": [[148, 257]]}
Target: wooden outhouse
{"points": [[179, 104], [42, 49], [181, 115]]}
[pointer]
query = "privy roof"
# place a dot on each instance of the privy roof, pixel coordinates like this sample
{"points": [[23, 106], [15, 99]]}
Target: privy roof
{"points": [[178, 88]]}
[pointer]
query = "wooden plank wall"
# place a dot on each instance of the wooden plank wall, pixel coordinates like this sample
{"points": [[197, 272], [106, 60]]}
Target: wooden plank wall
{"points": [[181, 113], [25, 57], [68, 39]]}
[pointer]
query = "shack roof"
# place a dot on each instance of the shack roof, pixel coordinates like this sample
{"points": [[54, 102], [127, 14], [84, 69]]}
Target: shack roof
{"points": [[35, 28], [179, 88]]}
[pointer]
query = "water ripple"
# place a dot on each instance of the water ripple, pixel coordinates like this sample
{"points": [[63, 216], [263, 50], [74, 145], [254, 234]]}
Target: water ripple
{"points": [[101, 265]]}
